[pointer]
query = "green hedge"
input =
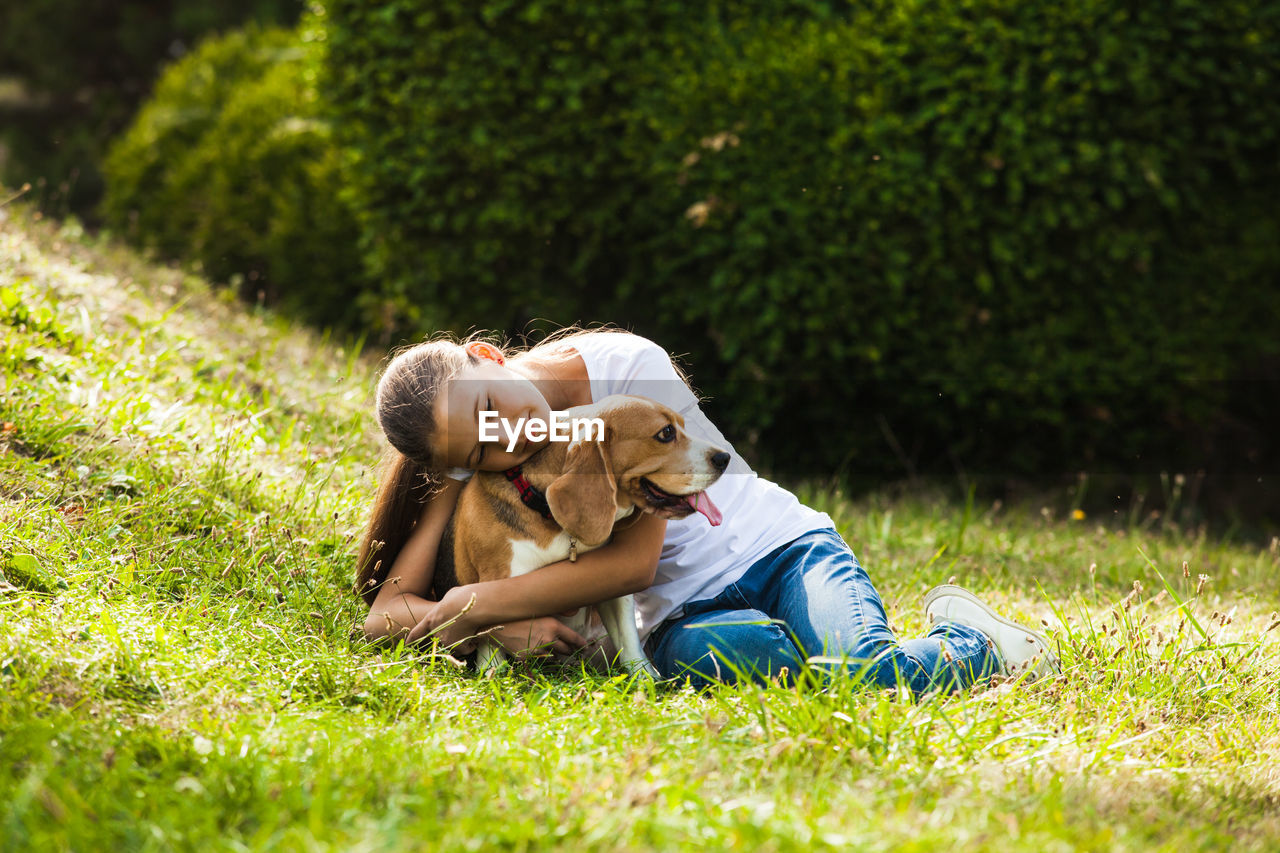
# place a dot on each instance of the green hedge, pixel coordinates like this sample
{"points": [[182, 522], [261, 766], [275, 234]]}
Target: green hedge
{"points": [[85, 66], [1015, 235], [232, 164], [502, 148], [996, 233]]}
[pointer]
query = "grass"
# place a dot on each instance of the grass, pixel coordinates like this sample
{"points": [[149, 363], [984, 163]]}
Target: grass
{"points": [[183, 481]]}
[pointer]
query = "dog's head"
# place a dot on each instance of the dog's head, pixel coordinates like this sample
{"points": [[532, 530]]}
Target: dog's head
{"points": [[645, 459]]}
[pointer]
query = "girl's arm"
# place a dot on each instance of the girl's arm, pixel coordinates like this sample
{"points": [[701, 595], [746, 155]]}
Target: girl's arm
{"points": [[401, 603], [626, 565]]}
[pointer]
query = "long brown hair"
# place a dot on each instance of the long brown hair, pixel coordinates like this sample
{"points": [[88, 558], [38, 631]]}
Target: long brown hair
{"points": [[407, 394]]}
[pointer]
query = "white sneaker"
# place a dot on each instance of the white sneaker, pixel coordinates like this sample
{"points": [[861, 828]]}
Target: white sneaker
{"points": [[1021, 649]]}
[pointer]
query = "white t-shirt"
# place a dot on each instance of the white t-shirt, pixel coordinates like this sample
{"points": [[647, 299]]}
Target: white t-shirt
{"points": [[698, 561]]}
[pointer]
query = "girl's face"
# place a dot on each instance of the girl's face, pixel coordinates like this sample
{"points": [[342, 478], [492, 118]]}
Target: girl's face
{"points": [[487, 386]]}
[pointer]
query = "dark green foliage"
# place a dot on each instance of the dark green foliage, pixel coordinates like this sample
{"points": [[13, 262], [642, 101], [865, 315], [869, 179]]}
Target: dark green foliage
{"points": [[1031, 237], [151, 169], [81, 67], [231, 164], [503, 148], [1024, 236]]}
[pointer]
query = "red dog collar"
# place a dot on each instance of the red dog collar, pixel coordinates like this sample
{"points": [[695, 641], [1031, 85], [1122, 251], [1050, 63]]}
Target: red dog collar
{"points": [[529, 496]]}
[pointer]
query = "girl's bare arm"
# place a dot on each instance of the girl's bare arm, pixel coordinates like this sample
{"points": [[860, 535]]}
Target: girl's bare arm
{"points": [[626, 565], [402, 601]]}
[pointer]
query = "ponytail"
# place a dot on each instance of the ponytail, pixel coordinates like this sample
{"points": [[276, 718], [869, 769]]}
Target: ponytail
{"points": [[403, 490], [407, 393]]}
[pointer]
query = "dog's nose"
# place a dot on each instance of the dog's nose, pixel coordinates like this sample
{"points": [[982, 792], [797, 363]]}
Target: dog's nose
{"points": [[720, 460]]}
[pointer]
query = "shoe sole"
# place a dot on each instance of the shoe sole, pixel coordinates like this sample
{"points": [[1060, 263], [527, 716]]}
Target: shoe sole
{"points": [[951, 589]]}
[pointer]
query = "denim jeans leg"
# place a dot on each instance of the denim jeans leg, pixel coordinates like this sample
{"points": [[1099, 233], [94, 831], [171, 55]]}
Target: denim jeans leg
{"points": [[829, 604], [724, 645]]}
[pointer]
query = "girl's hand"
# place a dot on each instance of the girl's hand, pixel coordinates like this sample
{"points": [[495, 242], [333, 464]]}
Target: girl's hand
{"points": [[446, 621], [532, 638]]}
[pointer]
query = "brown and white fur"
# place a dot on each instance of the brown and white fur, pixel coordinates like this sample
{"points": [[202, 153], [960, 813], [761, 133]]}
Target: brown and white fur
{"points": [[645, 462]]}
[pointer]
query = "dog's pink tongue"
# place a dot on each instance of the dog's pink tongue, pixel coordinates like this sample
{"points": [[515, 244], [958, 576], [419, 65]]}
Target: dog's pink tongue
{"points": [[702, 503]]}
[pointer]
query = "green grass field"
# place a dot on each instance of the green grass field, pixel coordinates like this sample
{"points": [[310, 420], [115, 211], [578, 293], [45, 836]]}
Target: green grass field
{"points": [[183, 481]]}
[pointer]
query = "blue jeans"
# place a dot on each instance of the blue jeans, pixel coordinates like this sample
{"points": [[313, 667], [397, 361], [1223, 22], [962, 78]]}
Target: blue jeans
{"points": [[806, 598]]}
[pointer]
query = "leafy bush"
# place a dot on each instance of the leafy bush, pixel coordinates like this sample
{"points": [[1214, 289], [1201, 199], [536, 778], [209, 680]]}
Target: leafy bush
{"points": [[501, 148], [1025, 236], [1020, 235], [231, 164], [83, 66]]}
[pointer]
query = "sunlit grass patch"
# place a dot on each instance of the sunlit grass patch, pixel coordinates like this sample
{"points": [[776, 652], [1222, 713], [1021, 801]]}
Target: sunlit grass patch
{"points": [[181, 482]]}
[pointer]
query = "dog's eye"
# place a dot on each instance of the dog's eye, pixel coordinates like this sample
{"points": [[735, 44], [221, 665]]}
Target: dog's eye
{"points": [[666, 434]]}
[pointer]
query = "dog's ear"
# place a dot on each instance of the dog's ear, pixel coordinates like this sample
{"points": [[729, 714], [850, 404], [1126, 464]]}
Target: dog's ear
{"points": [[583, 497]]}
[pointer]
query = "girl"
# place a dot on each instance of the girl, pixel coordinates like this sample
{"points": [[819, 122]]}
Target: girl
{"points": [[770, 587]]}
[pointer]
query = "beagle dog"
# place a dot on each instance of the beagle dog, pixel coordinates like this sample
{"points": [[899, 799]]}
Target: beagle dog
{"points": [[565, 500]]}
